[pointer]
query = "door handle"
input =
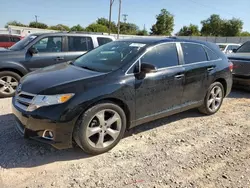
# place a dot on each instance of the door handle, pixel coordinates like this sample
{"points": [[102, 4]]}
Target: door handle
{"points": [[210, 69], [59, 58], [179, 76]]}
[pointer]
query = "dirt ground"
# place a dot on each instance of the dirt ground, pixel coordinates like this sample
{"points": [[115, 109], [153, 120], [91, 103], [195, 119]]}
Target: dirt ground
{"points": [[185, 150]]}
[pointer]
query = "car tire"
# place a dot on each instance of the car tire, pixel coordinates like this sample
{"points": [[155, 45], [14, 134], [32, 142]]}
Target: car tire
{"points": [[213, 100], [8, 83], [100, 128]]}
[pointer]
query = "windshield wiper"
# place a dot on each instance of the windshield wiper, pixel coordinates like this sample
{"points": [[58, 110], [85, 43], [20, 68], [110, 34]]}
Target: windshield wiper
{"points": [[85, 67]]}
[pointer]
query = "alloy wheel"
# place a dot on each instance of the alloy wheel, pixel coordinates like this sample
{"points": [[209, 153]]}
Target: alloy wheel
{"points": [[8, 85], [104, 128], [215, 98]]}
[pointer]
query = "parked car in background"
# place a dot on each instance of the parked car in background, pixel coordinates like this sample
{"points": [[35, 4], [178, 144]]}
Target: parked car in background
{"points": [[7, 41], [117, 86], [228, 48], [241, 61], [41, 50]]}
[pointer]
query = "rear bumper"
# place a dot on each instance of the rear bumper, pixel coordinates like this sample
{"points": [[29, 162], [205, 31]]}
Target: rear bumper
{"points": [[34, 128]]}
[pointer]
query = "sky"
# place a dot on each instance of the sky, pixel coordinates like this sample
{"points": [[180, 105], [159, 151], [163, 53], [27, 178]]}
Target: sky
{"points": [[140, 12]]}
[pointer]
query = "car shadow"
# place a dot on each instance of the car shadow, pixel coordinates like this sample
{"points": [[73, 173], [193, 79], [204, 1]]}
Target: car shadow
{"points": [[239, 93], [17, 152]]}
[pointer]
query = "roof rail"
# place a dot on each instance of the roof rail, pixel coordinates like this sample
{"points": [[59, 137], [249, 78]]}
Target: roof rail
{"points": [[86, 32]]}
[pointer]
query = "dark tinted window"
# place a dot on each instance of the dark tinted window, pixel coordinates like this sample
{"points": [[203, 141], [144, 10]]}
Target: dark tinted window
{"points": [[211, 54], [49, 44], [245, 48], [102, 40], [161, 56], [193, 53], [4, 39], [14, 39], [80, 44]]}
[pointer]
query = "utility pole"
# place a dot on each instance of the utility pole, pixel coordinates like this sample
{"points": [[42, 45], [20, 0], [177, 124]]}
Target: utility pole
{"points": [[125, 18], [110, 14], [36, 20], [119, 18]]}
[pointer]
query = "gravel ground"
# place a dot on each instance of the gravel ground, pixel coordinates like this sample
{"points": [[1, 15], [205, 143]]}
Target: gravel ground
{"points": [[185, 150]]}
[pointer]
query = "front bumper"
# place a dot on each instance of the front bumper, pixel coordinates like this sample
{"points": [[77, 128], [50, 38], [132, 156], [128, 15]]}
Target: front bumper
{"points": [[33, 126]]}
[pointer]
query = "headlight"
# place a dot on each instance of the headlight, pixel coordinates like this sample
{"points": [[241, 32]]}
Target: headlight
{"points": [[47, 100]]}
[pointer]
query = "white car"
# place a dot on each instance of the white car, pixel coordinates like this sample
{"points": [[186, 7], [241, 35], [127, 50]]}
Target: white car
{"points": [[228, 48]]}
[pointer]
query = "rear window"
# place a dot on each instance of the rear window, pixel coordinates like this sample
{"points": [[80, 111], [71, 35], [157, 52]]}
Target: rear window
{"points": [[193, 53], [80, 44], [222, 47], [103, 40], [4, 39]]}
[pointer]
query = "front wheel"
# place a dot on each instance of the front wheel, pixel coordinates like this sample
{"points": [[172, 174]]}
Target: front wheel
{"points": [[213, 99], [100, 128], [8, 83]]}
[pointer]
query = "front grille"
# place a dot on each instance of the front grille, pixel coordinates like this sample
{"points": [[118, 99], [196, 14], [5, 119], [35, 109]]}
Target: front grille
{"points": [[23, 100]]}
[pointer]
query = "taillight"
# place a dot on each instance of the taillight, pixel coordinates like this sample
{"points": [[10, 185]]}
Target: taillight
{"points": [[231, 66]]}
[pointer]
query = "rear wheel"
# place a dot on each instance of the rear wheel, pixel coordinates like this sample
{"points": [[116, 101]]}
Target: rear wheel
{"points": [[213, 99], [100, 128], [8, 83]]}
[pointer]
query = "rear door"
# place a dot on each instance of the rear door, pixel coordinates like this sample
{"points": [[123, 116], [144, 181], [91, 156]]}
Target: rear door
{"points": [[196, 69], [50, 51], [77, 46], [5, 41]]}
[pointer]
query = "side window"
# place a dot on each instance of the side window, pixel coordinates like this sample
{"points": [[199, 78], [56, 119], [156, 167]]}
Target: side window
{"points": [[162, 56], [4, 39], [245, 48], [80, 44], [49, 44], [103, 40], [211, 54], [14, 39], [193, 53], [235, 47]]}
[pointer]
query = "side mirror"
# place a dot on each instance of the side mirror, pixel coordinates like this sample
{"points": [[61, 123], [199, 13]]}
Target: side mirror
{"points": [[234, 50], [33, 50], [148, 68]]}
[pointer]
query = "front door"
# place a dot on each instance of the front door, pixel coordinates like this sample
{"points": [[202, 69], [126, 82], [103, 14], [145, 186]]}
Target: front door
{"points": [[161, 91], [49, 52]]}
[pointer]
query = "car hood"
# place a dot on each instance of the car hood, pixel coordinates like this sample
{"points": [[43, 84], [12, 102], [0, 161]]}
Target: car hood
{"points": [[242, 56], [57, 78]]}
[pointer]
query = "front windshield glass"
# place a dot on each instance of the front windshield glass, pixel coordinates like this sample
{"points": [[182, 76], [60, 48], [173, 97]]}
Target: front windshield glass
{"points": [[110, 57], [245, 48], [23, 43]]}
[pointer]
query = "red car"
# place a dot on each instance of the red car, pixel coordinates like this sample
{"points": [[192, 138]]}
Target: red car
{"points": [[7, 41]]}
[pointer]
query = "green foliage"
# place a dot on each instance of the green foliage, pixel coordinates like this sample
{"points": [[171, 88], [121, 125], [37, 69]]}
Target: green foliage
{"points": [[245, 34], [38, 25], [77, 28], [60, 27], [191, 30], [105, 22], [94, 27], [164, 24], [128, 28], [15, 23], [143, 32], [215, 26]]}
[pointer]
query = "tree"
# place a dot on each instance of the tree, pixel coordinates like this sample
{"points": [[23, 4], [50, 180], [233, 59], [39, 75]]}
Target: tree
{"points": [[143, 32], [15, 23], [245, 34], [38, 25], [212, 26], [105, 22], [128, 28], [77, 28], [94, 27], [60, 27], [232, 27], [191, 30], [164, 24]]}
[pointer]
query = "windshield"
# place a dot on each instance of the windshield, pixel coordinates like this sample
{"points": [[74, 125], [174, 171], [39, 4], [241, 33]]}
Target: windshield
{"points": [[23, 43], [245, 48], [110, 57], [222, 47]]}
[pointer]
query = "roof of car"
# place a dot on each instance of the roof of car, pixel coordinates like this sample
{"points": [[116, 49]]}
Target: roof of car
{"points": [[71, 34]]}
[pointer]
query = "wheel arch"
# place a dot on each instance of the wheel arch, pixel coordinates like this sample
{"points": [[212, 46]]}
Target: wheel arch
{"points": [[12, 70], [224, 84]]}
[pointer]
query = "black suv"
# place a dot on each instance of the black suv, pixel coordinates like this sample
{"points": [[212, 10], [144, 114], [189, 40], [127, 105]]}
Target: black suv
{"points": [[119, 85], [41, 50]]}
